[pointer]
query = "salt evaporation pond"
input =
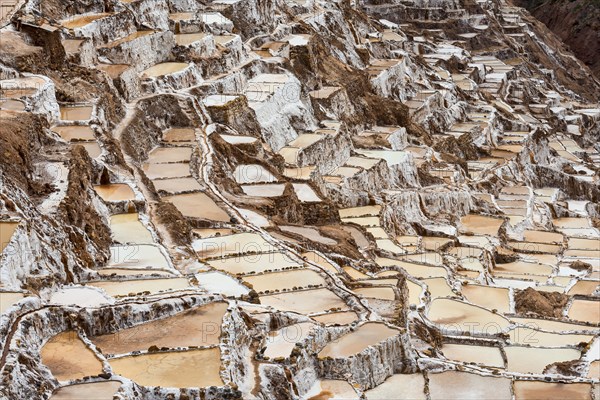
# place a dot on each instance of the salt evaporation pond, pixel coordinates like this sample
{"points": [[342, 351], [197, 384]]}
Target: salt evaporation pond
{"points": [[453, 385], [91, 391], [199, 326], [354, 342], [194, 368], [69, 358], [304, 301], [399, 386], [280, 343]]}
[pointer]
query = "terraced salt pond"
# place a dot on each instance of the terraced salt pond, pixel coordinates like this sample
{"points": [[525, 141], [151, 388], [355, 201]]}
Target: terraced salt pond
{"points": [[585, 311], [92, 390], [162, 171], [76, 113], [549, 390], [456, 316], [198, 205], [280, 343], [309, 233], [304, 301], [127, 228], [124, 288], [163, 69], [137, 256], [481, 224], [82, 20], [340, 318], [199, 326], [177, 185], [7, 229], [238, 244], [253, 173], [8, 299], [534, 359], [69, 358], [254, 263], [483, 355], [165, 155], [194, 368], [216, 282], [81, 296], [264, 190], [488, 297], [332, 389], [453, 385], [75, 133], [399, 386], [298, 278], [354, 342], [115, 192]]}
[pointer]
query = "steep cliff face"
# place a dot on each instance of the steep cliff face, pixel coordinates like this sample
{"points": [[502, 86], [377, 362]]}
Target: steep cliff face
{"points": [[577, 23]]}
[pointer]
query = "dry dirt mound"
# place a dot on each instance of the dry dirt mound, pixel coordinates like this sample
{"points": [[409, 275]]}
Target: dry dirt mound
{"points": [[546, 304]]}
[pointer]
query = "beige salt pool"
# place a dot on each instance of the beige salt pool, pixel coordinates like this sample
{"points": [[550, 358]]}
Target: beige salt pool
{"points": [[381, 293], [415, 270], [304, 301], [585, 310], [536, 338], [354, 273], [438, 287], [535, 359], [123, 288], [246, 243], [217, 282], [483, 355], [76, 113], [551, 391], [456, 316], [177, 185], [81, 296], [315, 258], [162, 171], [253, 173], [264, 190], [199, 326], [78, 21], [340, 318], [299, 278], [127, 228], [399, 386], [72, 133], [481, 224], [360, 211], [166, 155], [487, 297], [8, 299], [163, 69], [91, 391], [133, 272], [198, 205], [115, 192], [7, 229], [309, 233], [69, 358], [185, 39], [137, 256], [354, 342], [254, 263], [175, 135], [196, 368], [92, 148], [280, 343], [305, 193], [454, 385], [331, 389]]}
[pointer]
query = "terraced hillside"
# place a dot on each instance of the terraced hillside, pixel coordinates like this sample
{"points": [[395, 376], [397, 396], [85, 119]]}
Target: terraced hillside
{"points": [[296, 199]]}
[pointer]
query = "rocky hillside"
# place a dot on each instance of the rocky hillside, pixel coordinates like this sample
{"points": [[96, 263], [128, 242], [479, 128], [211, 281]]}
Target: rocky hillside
{"points": [[576, 22]]}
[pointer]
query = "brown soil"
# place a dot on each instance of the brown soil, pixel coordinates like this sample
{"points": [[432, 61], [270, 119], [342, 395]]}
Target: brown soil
{"points": [[576, 22], [546, 304], [77, 210]]}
